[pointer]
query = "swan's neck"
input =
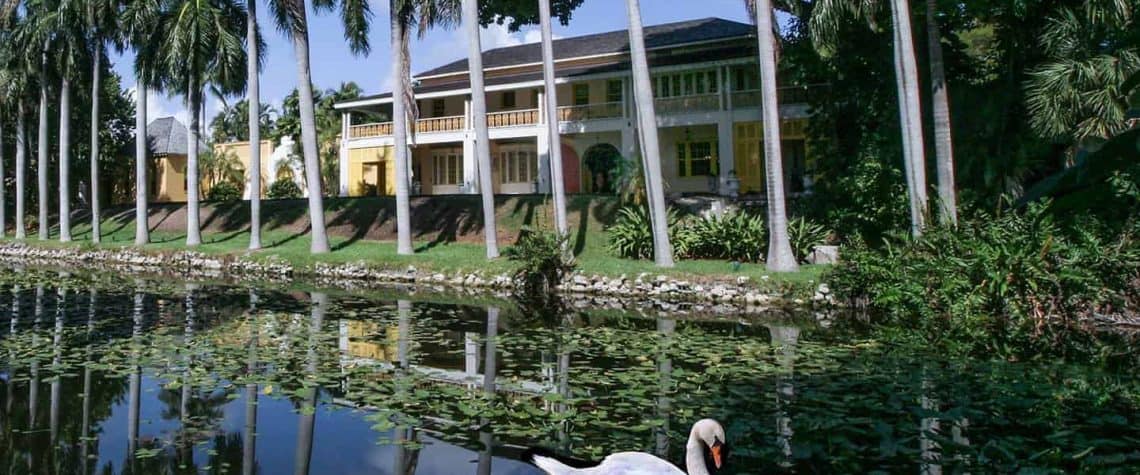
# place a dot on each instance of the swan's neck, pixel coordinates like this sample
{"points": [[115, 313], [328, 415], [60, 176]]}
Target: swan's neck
{"points": [[695, 457]]}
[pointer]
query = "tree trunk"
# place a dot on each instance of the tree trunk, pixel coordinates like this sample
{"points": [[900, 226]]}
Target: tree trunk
{"points": [[65, 161], [3, 201], [142, 229], [780, 256], [193, 222], [249, 435], [943, 141], [21, 170], [96, 87], [650, 153], [42, 163], [557, 186], [914, 108], [253, 100], [400, 130], [318, 235], [479, 117], [913, 156]]}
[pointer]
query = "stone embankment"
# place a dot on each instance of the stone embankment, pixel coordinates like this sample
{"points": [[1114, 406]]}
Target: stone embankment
{"points": [[663, 291]]}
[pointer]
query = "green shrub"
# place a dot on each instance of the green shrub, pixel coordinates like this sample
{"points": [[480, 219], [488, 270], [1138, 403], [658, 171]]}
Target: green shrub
{"points": [[223, 191], [284, 189], [1018, 286], [733, 235], [805, 235], [631, 234], [544, 263]]}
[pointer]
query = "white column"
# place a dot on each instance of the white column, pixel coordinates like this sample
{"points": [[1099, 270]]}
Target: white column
{"points": [[345, 126], [628, 141], [726, 160], [470, 171], [543, 140]]}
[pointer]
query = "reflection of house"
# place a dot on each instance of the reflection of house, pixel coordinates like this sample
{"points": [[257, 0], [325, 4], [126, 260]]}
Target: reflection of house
{"points": [[706, 85]]}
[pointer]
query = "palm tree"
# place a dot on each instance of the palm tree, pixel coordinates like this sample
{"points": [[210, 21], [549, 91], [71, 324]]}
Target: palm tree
{"points": [[292, 19], [102, 25], [202, 45], [780, 256], [140, 23], [647, 122], [402, 14], [479, 116], [253, 97], [557, 187], [940, 98]]}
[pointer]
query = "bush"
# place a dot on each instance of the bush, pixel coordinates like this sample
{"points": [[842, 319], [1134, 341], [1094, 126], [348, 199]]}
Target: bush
{"points": [[734, 235], [224, 191], [805, 235], [544, 261], [631, 234], [1017, 286], [284, 189]]}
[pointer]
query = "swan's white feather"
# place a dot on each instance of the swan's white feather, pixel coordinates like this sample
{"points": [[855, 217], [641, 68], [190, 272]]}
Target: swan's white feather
{"points": [[622, 463]]}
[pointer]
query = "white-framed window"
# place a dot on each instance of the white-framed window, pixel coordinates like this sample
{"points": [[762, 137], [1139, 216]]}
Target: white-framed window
{"points": [[689, 83], [516, 164], [447, 167]]}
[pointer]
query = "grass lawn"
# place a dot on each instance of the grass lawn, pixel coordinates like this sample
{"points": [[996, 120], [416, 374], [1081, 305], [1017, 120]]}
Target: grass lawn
{"points": [[589, 243]]}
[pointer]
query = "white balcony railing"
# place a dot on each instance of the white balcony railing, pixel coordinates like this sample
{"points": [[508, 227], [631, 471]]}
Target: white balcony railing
{"points": [[605, 110], [440, 124], [686, 104], [512, 118], [364, 131]]}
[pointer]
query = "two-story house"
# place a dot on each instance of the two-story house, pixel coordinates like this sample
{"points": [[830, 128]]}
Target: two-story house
{"points": [[706, 88]]}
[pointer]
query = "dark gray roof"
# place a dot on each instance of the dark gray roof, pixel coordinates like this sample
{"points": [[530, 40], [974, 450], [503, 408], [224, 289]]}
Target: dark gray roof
{"points": [[657, 36], [168, 136]]}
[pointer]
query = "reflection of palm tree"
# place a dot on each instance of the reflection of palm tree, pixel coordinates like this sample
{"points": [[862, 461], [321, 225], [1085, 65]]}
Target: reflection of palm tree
{"points": [[57, 355], [85, 426], [666, 327], [304, 451], [785, 337], [486, 437], [406, 459], [34, 388], [135, 378], [249, 450]]}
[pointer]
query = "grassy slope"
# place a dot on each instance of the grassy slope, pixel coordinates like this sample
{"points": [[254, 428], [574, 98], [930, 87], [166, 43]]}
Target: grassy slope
{"points": [[447, 230]]}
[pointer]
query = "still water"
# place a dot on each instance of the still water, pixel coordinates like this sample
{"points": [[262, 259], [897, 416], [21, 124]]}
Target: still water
{"points": [[102, 374]]}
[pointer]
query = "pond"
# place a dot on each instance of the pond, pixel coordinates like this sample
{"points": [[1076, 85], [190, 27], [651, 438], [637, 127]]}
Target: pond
{"points": [[106, 374]]}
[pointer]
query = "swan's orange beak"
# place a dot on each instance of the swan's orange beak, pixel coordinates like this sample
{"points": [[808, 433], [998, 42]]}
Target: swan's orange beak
{"points": [[716, 455]]}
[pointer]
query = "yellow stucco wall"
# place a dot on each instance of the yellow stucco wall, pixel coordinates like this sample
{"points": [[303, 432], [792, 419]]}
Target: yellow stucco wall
{"points": [[371, 167], [241, 150], [748, 145], [170, 178]]}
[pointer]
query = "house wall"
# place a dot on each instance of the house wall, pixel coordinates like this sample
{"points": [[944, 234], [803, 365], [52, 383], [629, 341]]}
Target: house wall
{"points": [[580, 143], [242, 151], [371, 167], [170, 177], [670, 138]]}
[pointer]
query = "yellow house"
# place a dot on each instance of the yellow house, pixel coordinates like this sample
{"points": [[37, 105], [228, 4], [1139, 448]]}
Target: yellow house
{"points": [[241, 150], [168, 140]]}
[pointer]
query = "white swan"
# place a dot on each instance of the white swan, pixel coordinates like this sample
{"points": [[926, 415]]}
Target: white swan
{"points": [[706, 433]]}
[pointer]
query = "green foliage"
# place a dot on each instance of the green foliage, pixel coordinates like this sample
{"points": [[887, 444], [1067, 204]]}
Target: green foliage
{"points": [[631, 234], [543, 259], [224, 191], [232, 122], [734, 235], [873, 201], [284, 189], [1021, 285], [805, 235]]}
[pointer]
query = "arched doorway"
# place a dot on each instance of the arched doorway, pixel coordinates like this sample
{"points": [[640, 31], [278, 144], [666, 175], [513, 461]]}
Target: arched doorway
{"points": [[600, 160]]}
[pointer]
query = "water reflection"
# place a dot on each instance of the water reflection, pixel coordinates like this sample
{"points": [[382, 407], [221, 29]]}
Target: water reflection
{"points": [[163, 377]]}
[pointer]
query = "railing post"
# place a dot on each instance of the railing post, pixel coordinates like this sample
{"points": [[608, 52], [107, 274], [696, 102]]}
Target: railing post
{"points": [[342, 163]]}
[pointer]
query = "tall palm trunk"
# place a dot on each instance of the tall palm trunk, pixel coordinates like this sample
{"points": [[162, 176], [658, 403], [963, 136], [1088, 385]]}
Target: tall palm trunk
{"points": [[318, 234], [650, 152], [193, 222], [21, 170], [399, 38], [479, 117], [943, 142], [910, 114], [65, 160], [3, 201], [254, 102], [96, 87], [780, 256], [142, 228], [557, 186], [42, 163]]}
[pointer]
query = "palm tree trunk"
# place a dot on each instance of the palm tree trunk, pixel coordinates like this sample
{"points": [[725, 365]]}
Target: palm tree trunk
{"points": [[193, 222], [913, 154], [943, 142], [914, 107], [254, 102], [96, 88], [42, 163], [21, 169], [3, 201], [142, 227], [320, 239], [479, 117], [557, 186], [65, 160], [780, 256], [647, 122], [400, 129]]}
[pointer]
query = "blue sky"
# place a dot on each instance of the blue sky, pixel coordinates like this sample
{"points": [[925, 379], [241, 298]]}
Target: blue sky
{"points": [[333, 63]]}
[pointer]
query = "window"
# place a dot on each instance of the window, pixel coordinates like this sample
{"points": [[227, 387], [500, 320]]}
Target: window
{"points": [[696, 159], [581, 94], [516, 166], [447, 167], [438, 108], [508, 99], [686, 84], [746, 79], [534, 98], [795, 156], [614, 90]]}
